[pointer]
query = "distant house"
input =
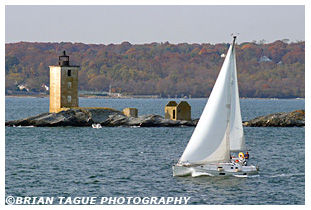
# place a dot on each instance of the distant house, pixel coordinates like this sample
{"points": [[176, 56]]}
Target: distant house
{"points": [[264, 59], [23, 87], [181, 111], [45, 87]]}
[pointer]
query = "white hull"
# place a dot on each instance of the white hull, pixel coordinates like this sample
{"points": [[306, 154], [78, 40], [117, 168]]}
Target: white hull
{"points": [[96, 126], [214, 169]]}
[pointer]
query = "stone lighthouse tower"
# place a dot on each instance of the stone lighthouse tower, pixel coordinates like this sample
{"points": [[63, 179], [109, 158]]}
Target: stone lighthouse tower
{"points": [[63, 85]]}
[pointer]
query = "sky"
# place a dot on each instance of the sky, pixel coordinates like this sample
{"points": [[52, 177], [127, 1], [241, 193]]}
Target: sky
{"points": [[106, 24]]}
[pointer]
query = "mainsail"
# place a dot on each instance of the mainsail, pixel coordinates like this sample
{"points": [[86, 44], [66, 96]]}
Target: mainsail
{"points": [[219, 129]]}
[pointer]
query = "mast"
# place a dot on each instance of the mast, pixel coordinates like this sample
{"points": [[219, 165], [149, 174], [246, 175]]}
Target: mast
{"points": [[232, 69], [231, 83], [234, 38]]}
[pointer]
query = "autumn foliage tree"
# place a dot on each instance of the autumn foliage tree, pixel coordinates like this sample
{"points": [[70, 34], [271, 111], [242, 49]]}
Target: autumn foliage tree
{"points": [[162, 68]]}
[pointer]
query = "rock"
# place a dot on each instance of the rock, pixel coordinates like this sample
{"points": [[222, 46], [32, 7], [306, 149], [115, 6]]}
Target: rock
{"points": [[291, 119], [115, 120], [150, 120], [153, 120], [99, 115], [71, 117], [107, 117]]}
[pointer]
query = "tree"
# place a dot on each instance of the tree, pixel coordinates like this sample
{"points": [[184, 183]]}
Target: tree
{"points": [[163, 68], [99, 83], [10, 63]]}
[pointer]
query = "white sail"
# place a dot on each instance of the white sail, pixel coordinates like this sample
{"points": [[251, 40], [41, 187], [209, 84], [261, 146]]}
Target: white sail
{"points": [[220, 121], [237, 141]]}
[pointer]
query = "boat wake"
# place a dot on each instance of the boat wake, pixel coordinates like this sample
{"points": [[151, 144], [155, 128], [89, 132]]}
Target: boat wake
{"points": [[197, 174], [246, 176], [287, 175]]}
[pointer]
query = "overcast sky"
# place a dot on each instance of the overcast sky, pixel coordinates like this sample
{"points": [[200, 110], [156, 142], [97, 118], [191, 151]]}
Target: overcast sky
{"points": [[146, 24]]}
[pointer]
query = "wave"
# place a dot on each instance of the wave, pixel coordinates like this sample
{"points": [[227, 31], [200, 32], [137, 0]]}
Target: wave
{"points": [[287, 175]]}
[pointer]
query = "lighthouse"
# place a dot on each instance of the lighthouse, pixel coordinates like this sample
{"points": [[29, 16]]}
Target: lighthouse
{"points": [[64, 80]]}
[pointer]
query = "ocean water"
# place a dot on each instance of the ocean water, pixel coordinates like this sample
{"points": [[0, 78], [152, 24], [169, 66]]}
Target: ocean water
{"points": [[136, 162]]}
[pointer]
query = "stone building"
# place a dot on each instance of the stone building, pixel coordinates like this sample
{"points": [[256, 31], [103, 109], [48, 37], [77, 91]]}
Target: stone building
{"points": [[64, 80], [131, 112], [181, 111]]}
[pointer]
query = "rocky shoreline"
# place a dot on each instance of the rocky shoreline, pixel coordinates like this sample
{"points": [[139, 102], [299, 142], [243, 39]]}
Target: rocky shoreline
{"points": [[107, 117], [290, 119], [83, 117]]}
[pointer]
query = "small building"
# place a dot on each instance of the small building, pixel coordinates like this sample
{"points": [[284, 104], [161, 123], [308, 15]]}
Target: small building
{"points": [[181, 111], [264, 59], [63, 85], [131, 112]]}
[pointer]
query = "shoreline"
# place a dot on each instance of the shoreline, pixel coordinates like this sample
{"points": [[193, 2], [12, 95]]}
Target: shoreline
{"points": [[133, 97], [107, 117]]}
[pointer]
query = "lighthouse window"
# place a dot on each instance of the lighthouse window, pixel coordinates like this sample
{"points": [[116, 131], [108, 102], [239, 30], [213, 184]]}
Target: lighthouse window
{"points": [[69, 73], [69, 85], [69, 99]]}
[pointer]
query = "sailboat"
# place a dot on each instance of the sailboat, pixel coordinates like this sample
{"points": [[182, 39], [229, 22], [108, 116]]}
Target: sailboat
{"points": [[219, 131], [96, 125]]}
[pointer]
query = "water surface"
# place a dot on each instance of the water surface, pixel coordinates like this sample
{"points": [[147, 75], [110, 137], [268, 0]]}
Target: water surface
{"points": [[136, 162]]}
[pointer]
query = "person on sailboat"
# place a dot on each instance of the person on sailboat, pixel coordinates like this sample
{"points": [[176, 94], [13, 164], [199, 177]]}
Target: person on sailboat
{"points": [[246, 156]]}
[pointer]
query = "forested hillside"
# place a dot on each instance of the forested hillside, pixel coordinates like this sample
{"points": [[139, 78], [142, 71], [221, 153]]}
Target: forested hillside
{"points": [[264, 70]]}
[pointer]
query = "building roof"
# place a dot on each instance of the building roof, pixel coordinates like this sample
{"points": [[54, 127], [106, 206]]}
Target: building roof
{"points": [[183, 103], [171, 103]]}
